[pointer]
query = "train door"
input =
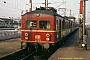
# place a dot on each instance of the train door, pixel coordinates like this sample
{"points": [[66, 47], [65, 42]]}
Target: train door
{"points": [[63, 28], [57, 29], [72, 26], [69, 26], [67, 29], [56, 25], [60, 28]]}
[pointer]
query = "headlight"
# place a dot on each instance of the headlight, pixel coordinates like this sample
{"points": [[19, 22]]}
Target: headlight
{"points": [[26, 34], [47, 39], [26, 38], [37, 15], [47, 35]]}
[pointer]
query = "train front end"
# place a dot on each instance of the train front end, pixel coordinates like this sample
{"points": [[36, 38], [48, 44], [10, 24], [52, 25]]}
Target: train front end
{"points": [[38, 29]]}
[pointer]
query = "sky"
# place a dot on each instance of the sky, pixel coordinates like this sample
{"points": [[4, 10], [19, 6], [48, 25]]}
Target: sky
{"points": [[13, 8]]}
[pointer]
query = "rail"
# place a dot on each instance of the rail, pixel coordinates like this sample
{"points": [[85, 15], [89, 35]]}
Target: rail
{"points": [[24, 55]]}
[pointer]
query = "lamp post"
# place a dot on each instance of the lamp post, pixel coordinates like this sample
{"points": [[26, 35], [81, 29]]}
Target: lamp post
{"points": [[84, 19], [84, 11], [82, 30], [81, 24]]}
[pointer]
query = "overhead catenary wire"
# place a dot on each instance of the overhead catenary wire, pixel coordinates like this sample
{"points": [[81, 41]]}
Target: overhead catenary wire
{"points": [[12, 10], [24, 1], [54, 2], [12, 6]]}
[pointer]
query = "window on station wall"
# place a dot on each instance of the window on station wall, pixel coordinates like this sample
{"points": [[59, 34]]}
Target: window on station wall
{"points": [[56, 24], [31, 24], [44, 24]]}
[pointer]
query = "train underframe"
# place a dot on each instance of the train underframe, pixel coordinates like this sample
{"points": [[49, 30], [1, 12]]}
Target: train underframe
{"points": [[38, 47]]}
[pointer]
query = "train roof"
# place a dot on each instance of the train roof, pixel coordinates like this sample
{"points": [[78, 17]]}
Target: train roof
{"points": [[51, 11]]}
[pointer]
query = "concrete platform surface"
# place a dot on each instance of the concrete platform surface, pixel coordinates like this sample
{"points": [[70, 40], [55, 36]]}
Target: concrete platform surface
{"points": [[70, 50], [9, 46]]}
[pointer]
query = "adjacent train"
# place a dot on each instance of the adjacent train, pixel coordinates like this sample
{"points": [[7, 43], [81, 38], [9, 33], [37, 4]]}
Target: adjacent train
{"points": [[44, 28]]}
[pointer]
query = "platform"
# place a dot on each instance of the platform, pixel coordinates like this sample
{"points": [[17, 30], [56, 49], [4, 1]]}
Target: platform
{"points": [[9, 46], [70, 50]]}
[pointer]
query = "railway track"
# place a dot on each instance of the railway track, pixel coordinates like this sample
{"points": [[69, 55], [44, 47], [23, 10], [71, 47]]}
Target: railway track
{"points": [[16, 56], [25, 55], [37, 56]]}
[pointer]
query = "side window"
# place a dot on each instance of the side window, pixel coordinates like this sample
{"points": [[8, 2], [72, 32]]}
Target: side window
{"points": [[56, 24], [63, 22], [30, 24], [44, 24], [60, 24]]}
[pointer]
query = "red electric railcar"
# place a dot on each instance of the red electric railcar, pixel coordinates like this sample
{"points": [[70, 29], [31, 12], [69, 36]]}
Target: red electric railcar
{"points": [[44, 27]]}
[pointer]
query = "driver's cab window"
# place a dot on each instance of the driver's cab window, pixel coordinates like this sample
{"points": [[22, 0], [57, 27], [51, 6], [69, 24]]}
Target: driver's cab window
{"points": [[44, 24], [30, 24]]}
